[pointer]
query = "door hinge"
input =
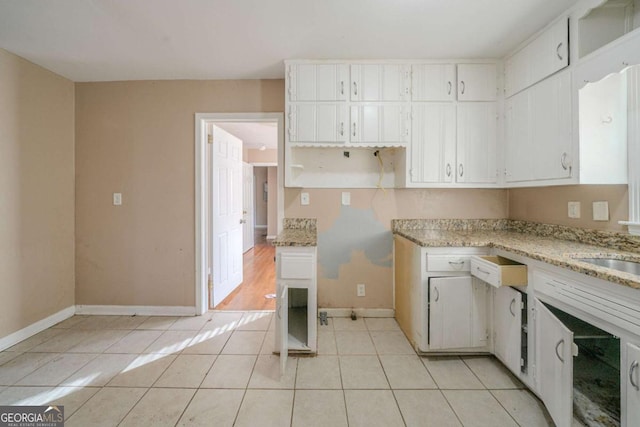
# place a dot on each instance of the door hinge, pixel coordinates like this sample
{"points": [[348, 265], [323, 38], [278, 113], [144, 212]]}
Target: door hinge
{"points": [[210, 283], [210, 139]]}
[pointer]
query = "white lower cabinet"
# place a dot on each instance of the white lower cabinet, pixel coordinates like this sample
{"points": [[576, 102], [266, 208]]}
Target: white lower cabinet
{"points": [[296, 304], [507, 327], [457, 313], [554, 365], [631, 384]]}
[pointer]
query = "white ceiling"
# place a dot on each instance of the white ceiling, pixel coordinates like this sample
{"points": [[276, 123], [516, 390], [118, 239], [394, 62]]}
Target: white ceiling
{"points": [[103, 40], [253, 135]]}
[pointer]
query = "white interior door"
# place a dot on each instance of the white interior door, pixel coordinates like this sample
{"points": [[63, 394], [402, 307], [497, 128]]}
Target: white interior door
{"points": [[226, 210], [247, 207]]}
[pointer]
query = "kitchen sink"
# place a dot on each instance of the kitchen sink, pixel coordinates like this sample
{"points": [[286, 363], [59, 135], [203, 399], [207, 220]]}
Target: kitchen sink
{"points": [[632, 267]]}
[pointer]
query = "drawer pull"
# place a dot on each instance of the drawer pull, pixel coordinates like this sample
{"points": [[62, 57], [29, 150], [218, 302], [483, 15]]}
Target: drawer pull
{"points": [[633, 367], [482, 271], [437, 294], [456, 262], [513, 302], [558, 354]]}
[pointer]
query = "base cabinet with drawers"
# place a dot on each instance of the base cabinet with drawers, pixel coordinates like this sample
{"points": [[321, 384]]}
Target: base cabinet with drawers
{"points": [[296, 304], [572, 339]]}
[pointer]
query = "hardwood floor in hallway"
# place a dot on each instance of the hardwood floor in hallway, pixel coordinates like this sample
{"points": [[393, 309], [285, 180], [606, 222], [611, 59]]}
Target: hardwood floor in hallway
{"points": [[259, 279]]}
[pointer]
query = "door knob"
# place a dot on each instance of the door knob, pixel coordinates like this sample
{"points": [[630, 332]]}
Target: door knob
{"points": [[242, 221]]}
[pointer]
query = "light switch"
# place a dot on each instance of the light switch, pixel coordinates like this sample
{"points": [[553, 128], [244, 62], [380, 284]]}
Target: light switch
{"points": [[574, 209], [601, 211], [117, 199], [304, 199], [346, 198]]}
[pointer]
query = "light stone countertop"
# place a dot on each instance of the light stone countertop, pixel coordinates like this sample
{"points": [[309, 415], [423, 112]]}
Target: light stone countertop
{"points": [[298, 232], [558, 252]]}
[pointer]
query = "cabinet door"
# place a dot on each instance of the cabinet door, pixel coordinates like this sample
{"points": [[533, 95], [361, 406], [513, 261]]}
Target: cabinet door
{"points": [[433, 82], [519, 149], [554, 365], [549, 52], [476, 142], [632, 375], [282, 319], [477, 82], [377, 82], [317, 123], [457, 313], [373, 123], [318, 82], [507, 321], [433, 139], [551, 127]]}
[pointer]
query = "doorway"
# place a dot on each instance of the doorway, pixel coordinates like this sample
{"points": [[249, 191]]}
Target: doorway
{"points": [[220, 185]]}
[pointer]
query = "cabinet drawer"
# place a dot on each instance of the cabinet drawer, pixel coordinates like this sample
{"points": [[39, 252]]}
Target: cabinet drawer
{"points": [[296, 266], [448, 262], [498, 271]]}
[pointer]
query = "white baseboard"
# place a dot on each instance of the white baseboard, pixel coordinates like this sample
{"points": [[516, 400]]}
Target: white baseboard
{"points": [[34, 328], [140, 310], [360, 312], [272, 237], [260, 226]]}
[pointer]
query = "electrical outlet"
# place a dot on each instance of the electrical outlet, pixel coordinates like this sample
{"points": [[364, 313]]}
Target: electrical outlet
{"points": [[117, 199], [361, 290], [304, 199], [346, 198], [601, 211], [574, 210]]}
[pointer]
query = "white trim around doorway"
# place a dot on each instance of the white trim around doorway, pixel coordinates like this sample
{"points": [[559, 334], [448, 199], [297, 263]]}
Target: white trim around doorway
{"points": [[201, 120]]}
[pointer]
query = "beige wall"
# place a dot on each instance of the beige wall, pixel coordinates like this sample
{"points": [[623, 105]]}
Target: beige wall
{"points": [[355, 242], [260, 173], [549, 205], [138, 138], [272, 201], [266, 156], [36, 193]]}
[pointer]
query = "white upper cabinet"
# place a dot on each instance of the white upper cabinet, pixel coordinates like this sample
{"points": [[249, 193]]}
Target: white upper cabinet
{"points": [[477, 82], [322, 123], [433, 82], [379, 82], [432, 152], [476, 143], [518, 148], [543, 56], [375, 123], [318, 82]]}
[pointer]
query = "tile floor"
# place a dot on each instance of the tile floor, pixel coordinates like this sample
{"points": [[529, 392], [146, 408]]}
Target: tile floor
{"points": [[219, 370]]}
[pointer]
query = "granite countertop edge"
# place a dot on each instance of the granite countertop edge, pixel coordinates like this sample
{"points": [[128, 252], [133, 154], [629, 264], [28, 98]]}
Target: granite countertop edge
{"points": [[554, 251]]}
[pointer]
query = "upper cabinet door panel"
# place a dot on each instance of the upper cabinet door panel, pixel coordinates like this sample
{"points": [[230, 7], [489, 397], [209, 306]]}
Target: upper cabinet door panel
{"points": [[477, 82], [318, 82], [476, 143], [317, 123], [374, 82], [374, 123], [433, 82], [546, 54], [433, 143]]}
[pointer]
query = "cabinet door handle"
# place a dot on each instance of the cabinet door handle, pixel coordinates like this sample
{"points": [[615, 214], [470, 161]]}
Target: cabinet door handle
{"points": [[456, 262], [342, 87], [355, 88], [449, 87], [462, 87], [563, 161], [633, 367], [558, 354], [461, 169], [437, 294], [558, 51], [513, 302], [482, 271], [354, 129], [448, 169], [341, 128]]}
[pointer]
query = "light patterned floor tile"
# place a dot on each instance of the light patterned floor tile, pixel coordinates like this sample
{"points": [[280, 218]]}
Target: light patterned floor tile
{"points": [[143, 371], [158, 323], [224, 320], [159, 407], [319, 408], [391, 342], [362, 372], [425, 408], [327, 342], [524, 407], [207, 342], [212, 407], [127, 322], [265, 408], [367, 408], [321, 372], [346, 324], [406, 372], [63, 341], [449, 372], [98, 341], [57, 370], [36, 340], [134, 342], [244, 342], [23, 365], [255, 321], [492, 373], [266, 373], [230, 371], [106, 408], [381, 324], [478, 408], [191, 323], [100, 370], [186, 371], [171, 342], [354, 342]]}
